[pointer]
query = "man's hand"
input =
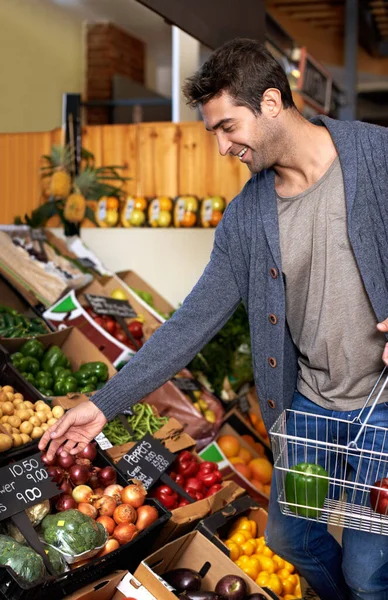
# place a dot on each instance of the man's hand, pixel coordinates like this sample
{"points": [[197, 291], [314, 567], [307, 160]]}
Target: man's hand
{"points": [[76, 428], [383, 327]]}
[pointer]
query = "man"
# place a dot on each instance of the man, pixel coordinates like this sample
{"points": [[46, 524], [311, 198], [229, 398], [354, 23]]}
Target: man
{"points": [[304, 246]]}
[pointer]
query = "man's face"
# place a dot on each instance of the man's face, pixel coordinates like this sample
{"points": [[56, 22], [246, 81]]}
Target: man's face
{"points": [[241, 133]]}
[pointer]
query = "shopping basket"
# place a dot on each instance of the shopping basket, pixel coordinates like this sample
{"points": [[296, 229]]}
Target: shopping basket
{"points": [[354, 456]]}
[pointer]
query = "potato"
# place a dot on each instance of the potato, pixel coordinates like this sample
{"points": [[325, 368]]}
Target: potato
{"points": [[26, 438], [8, 388], [42, 415], [40, 405], [37, 432], [23, 414], [28, 404], [30, 412], [22, 406], [16, 402], [35, 421], [6, 442], [14, 421], [58, 412], [51, 422], [1, 413], [18, 396], [4, 419], [3, 397], [8, 427], [44, 426], [15, 430], [7, 408], [17, 439], [26, 427], [10, 396]]}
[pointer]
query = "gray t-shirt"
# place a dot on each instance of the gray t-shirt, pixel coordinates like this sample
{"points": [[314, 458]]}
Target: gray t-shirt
{"points": [[329, 314]]}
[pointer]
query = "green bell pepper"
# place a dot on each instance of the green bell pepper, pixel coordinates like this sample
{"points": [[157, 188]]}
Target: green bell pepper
{"points": [[16, 357], [99, 369], [29, 377], [306, 486], [44, 380], [84, 378], [63, 374], [29, 364], [87, 388], [54, 357], [33, 348], [65, 386]]}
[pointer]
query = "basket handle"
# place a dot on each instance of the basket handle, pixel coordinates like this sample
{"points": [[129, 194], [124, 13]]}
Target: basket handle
{"points": [[353, 444]]}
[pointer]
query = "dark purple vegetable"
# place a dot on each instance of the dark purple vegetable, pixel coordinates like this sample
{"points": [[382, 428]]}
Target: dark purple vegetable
{"points": [[199, 595], [256, 596], [183, 579], [232, 587]]}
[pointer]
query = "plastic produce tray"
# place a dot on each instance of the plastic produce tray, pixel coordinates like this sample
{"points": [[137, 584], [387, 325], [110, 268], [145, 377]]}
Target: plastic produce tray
{"points": [[126, 557]]}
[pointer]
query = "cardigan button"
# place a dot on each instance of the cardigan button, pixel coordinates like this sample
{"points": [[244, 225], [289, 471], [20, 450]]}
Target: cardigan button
{"points": [[273, 272], [272, 319], [272, 362], [271, 403]]}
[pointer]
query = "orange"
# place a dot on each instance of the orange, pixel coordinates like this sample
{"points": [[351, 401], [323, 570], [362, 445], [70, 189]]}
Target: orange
{"points": [[259, 449], [165, 203], [229, 445], [189, 219], [267, 489], [261, 429], [249, 439], [244, 559], [215, 218], [243, 469], [236, 460], [245, 455], [275, 584], [112, 203], [258, 485], [261, 469], [254, 418]]}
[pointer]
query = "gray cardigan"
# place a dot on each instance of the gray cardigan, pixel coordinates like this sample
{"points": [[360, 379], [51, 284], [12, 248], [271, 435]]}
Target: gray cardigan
{"points": [[245, 265]]}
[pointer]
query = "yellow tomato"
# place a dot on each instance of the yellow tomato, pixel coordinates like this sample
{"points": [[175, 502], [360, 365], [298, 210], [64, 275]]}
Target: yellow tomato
{"points": [[283, 574], [289, 566], [259, 544], [267, 552], [240, 537], [234, 550], [239, 563], [248, 547], [262, 579], [262, 540], [290, 597], [275, 584], [267, 564], [250, 526], [288, 586], [294, 578], [279, 562], [251, 570], [298, 590], [244, 559]]}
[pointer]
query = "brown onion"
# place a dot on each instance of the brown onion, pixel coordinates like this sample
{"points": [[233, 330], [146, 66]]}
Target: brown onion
{"points": [[105, 505], [124, 533], [146, 515], [134, 495], [110, 545], [125, 513], [88, 509], [108, 523], [115, 492], [82, 493]]}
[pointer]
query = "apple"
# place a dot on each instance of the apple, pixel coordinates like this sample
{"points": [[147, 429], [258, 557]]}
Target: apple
{"points": [[379, 496], [164, 218], [137, 218], [191, 204], [218, 203]]}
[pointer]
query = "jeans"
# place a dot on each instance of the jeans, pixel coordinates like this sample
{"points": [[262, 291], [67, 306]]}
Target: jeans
{"points": [[358, 570]]}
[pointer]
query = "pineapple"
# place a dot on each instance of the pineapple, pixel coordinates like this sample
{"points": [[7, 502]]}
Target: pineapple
{"points": [[59, 165], [60, 184], [75, 208]]}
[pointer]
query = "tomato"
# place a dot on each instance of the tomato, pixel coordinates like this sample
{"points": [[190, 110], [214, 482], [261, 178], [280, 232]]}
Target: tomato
{"points": [[136, 329], [111, 326], [121, 337]]}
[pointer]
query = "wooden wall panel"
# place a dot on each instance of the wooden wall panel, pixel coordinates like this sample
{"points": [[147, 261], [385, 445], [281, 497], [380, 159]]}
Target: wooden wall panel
{"points": [[119, 148], [157, 151]]}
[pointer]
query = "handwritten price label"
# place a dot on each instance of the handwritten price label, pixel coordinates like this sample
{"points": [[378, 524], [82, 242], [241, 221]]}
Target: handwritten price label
{"points": [[146, 461]]}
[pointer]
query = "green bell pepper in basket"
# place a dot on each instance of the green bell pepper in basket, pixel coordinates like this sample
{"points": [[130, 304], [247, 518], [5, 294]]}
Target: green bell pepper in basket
{"points": [[44, 380], [28, 364], [65, 386], [54, 357], [16, 357], [29, 377], [98, 369], [33, 348], [306, 486]]}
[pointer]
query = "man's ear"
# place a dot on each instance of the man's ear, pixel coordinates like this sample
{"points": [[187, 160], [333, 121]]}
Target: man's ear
{"points": [[271, 102]]}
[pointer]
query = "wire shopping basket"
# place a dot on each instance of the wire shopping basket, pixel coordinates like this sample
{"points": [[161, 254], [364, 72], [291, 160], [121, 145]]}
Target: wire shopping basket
{"points": [[332, 470]]}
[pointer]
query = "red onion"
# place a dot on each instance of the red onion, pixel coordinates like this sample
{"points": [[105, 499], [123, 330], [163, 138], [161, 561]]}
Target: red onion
{"points": [[85, 462], [79, 474], [93, 480], [66, 487], [56, 474], [90, 452], [47, 462], [114, 491], [65, 461], [65, 502], [107, 476]]}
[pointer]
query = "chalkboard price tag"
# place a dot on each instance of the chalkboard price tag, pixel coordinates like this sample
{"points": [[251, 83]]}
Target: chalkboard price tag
{"points": [[87, 263], [102, 305], [38, 235], [186, 384], [146, 461], [23, 484], [243, 404]]}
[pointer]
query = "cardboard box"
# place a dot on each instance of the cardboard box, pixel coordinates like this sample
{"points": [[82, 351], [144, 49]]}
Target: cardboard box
{"points": [[130, 587], [102, 589], [134, 282], [242, 422], [73, 343], [214, 453], [190, 551]]}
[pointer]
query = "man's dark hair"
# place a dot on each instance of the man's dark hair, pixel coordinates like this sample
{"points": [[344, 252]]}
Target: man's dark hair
{"points": [[245, 69]]}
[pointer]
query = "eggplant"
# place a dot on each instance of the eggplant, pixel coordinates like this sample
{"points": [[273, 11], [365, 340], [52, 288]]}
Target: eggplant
{"points": [[232, 587], [256, 596], [200, 595], [183, 579]]}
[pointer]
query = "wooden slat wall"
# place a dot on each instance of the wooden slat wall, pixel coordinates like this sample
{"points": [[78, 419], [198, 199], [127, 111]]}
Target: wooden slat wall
{"points": [[161, 159]]}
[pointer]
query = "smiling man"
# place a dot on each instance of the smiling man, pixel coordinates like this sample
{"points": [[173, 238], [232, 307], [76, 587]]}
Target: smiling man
{"points": [[304, 247]]}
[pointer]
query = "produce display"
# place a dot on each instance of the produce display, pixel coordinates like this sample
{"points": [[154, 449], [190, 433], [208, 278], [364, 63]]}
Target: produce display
{"points": [[186, 211], [23, 421], [148, 298], [211, 211], [15, 325], [160, 212], [49, 370], [187, 585], [23, 560], [258, 470], [198, 479], [257, 560], [110, 325], [142, 421]]}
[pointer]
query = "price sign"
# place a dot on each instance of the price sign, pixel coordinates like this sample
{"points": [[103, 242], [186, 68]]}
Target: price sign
{"points": [[38, 235], [186, 384], [146, 461], [87, 263], [102, 305], [103, 441], [243, 404], [23, 484]]}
